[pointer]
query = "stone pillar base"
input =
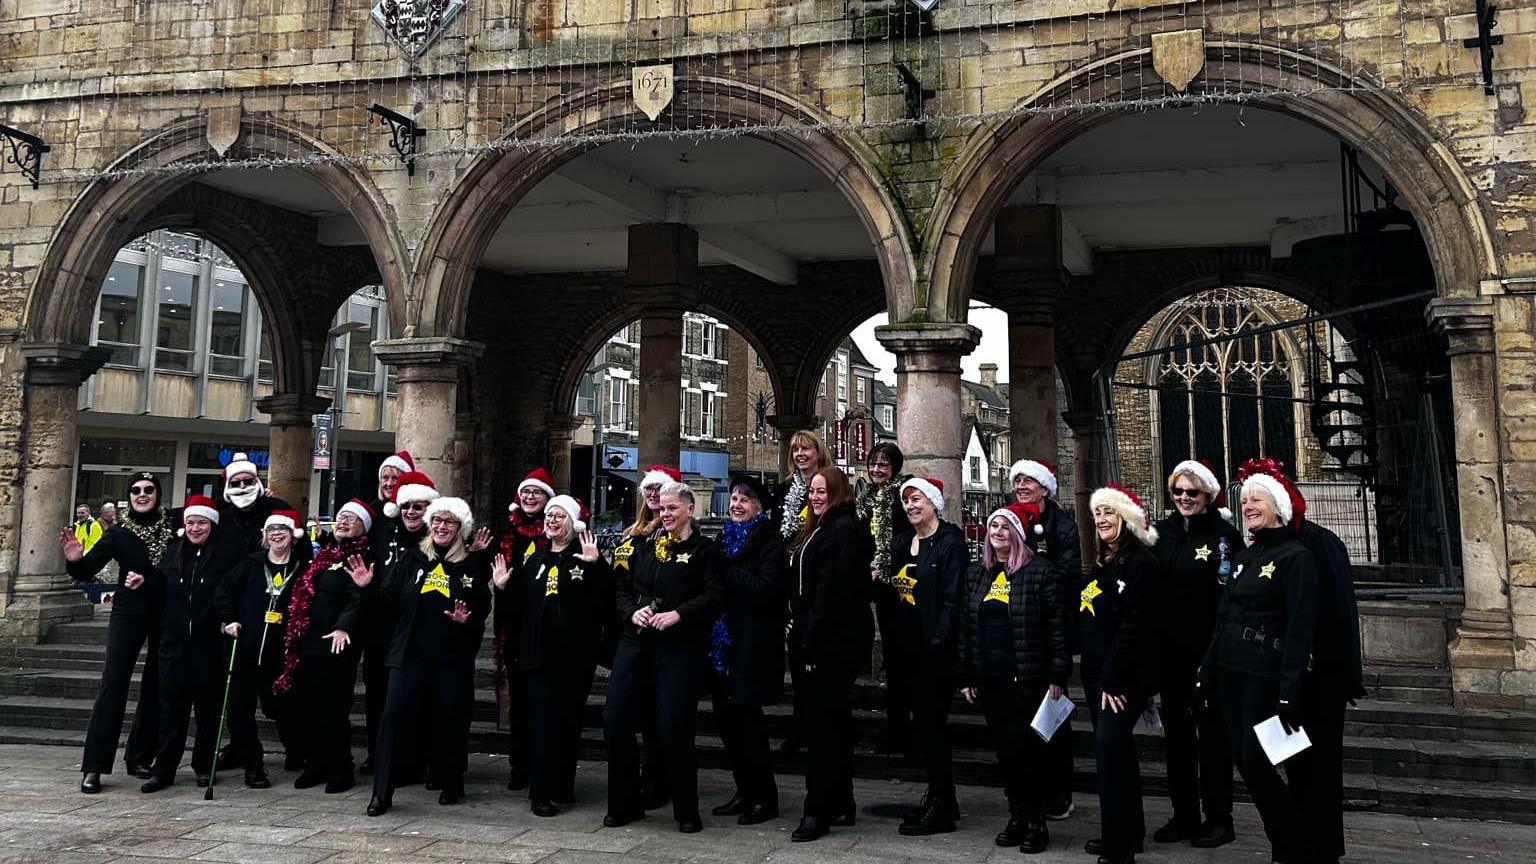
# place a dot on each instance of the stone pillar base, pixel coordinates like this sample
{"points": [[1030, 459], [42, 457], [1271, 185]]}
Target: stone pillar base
{"points": [[31, 615], [1482, 655]]}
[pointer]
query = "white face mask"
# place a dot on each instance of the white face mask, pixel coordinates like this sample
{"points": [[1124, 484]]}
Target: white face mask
{"points": [[244, 497]]}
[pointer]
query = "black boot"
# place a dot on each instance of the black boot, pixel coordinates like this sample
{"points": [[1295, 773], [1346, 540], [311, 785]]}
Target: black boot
{"points": [[810, 828], [517, 779], [733, 807], [1037, 838], [939, 818], [256, 777], [143, 772], [155, 783], [90, 782], [1013, 833], [378, 806], [756, 814], [1176, 830], [1214, 833]]}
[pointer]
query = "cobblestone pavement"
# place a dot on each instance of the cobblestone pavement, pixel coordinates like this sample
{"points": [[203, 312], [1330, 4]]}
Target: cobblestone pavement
{"points": [[44, 819]]}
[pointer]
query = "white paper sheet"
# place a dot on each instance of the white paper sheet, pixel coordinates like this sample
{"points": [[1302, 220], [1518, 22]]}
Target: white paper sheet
{"points": [[1051, 714], [1277, 745]]}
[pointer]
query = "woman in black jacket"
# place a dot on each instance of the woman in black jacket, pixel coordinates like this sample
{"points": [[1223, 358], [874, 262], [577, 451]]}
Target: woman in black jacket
{"points": [[1261, 649], [136, 543], [1117, 625], [668, 596], [320, 651], [747, 650], [253, 606], [928, 578], [1013, 654], [442, 594], [1195, 546], [831, 632], [879, 508], [562, 597]]}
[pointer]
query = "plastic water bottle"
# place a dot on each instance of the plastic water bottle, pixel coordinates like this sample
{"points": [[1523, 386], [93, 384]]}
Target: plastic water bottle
{"points": [[1224, 569]]}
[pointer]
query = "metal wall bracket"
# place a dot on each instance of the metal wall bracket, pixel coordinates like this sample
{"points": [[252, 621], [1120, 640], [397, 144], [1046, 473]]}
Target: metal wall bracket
{"points": [[403, 134], [26, 152], [1487, 19], [917, 97]]}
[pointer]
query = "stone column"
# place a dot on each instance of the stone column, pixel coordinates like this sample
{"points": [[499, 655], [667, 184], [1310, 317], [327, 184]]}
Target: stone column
{"points": [[463, 471], [426, 402], [41, 594], [1026, 280], [928, 400], [787, 424], [1483, 648], [1081, 422], [290, 448], [662, 272], [561, 428]]}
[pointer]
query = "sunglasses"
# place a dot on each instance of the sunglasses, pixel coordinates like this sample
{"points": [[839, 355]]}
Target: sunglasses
{"points": [[1181, 492], [242, 482], [141, 490], [414, 508]]}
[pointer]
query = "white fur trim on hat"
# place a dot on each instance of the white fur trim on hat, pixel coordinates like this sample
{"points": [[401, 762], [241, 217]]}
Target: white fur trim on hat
{"points": [[410, 494], [1012, 517], [1274, 489], [933, 493], [1135, 517], [1035, 471], [203, 510], [458, 508], [360, 511], [279, 520], [656, 478], [397, 462], [240, 464], [572, 508], [1208, 483]]}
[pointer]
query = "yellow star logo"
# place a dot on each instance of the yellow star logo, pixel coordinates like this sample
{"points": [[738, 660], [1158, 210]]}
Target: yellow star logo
{"points": [[1090, 594], [1203, 553], [684, 557], [904, 586], [552, 582], [437, 581], [532, 548], [998, 592], [1267, 571]]}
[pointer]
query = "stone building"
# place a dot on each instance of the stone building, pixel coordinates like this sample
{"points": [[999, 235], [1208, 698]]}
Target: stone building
{"points": [[521, 183]]}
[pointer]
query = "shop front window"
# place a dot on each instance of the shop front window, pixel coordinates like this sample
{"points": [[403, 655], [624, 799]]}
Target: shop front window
{"points": [[117, 324], [173, 342], [226, 333], [108, 464]]}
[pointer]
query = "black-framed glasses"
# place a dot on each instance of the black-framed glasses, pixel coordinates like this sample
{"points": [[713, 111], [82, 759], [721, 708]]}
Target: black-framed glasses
{"points": [[444, 520], [141, 490], [241, 482], [1182, 492]]}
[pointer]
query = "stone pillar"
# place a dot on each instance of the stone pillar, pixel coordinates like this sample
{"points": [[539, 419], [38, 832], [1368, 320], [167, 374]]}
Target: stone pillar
{"points": [[561, 428], [426, 402], [41, 594], [290, 448], [663, 269], [787, 424], [463, 471], [928, 423], [1026, 281], [1081, 421], [1483, 648]]}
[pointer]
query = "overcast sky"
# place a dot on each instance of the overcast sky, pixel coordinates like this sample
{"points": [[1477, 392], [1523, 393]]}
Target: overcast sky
{"points": [[993, 347]]}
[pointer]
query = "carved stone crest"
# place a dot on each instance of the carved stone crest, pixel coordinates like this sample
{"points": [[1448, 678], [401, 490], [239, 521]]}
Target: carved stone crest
{"points": [[651, 87], [413, 25], [1178, 56], [223, 128]]}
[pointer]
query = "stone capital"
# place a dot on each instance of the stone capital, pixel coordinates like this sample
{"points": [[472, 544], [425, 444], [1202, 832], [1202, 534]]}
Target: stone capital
{"points": [[61, 364], [292, 409], [928, 347], [563, 424], [789, 424], [428, 359], [1466, 323]]}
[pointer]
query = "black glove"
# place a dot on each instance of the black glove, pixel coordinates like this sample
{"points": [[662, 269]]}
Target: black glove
{"points": [[1290, 716]]}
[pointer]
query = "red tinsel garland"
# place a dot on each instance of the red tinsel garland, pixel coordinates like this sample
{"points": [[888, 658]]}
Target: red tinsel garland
{"points": [[523, 527], [298, 604]]}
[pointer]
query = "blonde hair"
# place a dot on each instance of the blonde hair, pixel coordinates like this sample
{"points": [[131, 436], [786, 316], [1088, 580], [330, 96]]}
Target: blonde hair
{"points": [[456, 553], [812, 440]]}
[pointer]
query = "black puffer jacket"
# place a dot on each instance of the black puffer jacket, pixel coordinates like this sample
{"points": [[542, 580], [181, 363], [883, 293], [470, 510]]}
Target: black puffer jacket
{"points": [[1117, 620], [932, 581], [1037, 619], [1266, 620], [829, 605], [1057, 542], [1191, 555], [756, 587]]}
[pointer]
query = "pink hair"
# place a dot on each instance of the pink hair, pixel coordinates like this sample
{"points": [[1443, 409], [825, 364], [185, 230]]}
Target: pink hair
{"points": [[1018, 551]]}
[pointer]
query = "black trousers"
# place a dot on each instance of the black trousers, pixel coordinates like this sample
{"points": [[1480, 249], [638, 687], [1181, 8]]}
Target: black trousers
{"points": [[829, 739], [1247, 700], [1317, 773], [744, 731], [668, 670], [192, 680], [932, 684], [429, 699], [248, 687], [1121, 815], [1058, 752], [1021, 752], [127, 635], [322, 696], [376, 687], [1195, 749], [900, 654], [556, 702]]}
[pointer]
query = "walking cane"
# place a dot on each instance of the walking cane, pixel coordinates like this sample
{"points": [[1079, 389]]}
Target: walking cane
{"points": [[213, 775]]}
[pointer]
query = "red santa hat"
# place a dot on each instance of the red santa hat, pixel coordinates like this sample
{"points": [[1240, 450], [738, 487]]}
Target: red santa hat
{"points": [[1205, 475], [539, 479], [1268, 475], [200, 505], [413, 486], [660, 475], [931, 487], [357, 508], [1018, 514], [1040, 471], [1124, 502], [400, 461], [284, 519], [572, 508]]}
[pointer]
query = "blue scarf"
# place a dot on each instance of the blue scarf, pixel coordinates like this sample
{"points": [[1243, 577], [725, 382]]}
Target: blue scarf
{"points": [[735, 534]]}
